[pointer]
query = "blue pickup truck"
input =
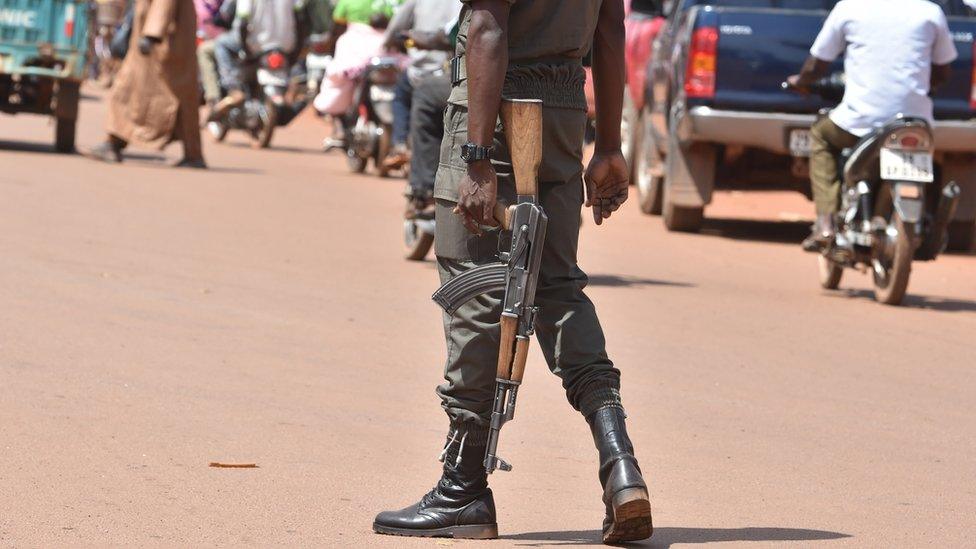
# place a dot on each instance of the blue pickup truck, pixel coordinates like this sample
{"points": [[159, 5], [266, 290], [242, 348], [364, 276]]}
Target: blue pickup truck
{"points": [[716, 116], [43, 44]]}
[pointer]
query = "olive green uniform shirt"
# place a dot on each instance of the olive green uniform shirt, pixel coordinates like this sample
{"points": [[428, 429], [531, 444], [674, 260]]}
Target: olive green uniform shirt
{"points": [[547, 40]]}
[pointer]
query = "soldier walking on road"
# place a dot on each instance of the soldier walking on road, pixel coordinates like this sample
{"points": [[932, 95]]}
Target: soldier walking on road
{"points": [[156, 93], [527, 49]]}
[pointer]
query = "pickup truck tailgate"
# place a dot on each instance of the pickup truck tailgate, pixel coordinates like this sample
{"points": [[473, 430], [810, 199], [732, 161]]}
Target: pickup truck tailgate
{"points": [[759, 47]]}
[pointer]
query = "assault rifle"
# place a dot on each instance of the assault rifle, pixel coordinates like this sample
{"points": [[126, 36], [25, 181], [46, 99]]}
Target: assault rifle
{"points": [[518, 270]]}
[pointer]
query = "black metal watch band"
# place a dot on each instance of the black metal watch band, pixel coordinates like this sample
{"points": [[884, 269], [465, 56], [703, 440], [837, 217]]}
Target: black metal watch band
{"points": [[473, 153]]}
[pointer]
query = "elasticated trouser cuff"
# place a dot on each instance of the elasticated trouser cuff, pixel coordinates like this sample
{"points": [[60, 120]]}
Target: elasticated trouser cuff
{"points": [[600, 396], [474, 434]]}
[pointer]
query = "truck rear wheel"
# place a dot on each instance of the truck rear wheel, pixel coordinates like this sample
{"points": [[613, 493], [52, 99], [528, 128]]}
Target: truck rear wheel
{"points": [[64, 135], [695, 162], [682, 218], [66, 113]]}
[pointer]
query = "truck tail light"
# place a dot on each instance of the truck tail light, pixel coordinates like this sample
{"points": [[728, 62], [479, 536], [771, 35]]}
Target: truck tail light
{"points": [[69, 20], [700, 74]]}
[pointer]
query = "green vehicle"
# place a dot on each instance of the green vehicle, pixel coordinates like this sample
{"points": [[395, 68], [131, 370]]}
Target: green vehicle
{"points": [[43, 44]]}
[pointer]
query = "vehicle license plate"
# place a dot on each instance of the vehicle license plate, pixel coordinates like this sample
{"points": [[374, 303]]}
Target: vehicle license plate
{"points": [[800, 142], [906, 166]]}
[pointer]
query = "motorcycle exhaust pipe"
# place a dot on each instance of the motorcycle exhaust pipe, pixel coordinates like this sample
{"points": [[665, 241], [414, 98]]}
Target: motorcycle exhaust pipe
{"points": [[935, 242]]}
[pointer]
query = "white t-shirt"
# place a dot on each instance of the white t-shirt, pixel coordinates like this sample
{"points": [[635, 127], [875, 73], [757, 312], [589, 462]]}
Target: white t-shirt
{"points": [[271, 24], [891, 46]]}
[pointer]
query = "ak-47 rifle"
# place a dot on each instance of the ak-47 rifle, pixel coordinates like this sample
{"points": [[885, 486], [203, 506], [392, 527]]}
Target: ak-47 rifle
{"points": [[518, 271]]}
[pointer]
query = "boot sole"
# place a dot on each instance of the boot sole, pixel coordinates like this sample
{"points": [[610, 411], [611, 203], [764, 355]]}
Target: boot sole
{"points": [[631, 516], [472, 531]]}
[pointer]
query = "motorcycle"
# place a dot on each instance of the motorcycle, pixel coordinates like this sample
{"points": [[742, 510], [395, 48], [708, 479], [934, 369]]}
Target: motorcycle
{"points": [[418, 227], [368, 125], [264, 107], [893, 210]]}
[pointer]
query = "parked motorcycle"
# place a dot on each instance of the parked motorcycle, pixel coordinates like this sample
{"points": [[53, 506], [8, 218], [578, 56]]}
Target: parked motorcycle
{"points": [[893, 210], [266, 82], [368, 126]]}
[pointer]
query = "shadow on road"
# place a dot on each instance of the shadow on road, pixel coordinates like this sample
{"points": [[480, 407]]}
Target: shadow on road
{"points": [[784, 232], [667, 536], [280, 148], [628, 281], [944, 304], [27, 146]]}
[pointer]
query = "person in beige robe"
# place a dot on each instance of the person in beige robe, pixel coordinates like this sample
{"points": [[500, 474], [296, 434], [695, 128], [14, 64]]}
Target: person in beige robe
{"points": [[155, 97]]}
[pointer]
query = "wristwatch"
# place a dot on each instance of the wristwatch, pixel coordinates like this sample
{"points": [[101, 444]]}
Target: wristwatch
{"points": [[473, 153]]}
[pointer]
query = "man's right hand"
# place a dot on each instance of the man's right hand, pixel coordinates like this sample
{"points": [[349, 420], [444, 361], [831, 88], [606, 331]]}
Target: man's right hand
{"points": [[477, 194]]}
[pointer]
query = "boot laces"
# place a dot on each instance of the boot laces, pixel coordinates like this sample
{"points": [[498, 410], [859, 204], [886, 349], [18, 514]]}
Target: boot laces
{"points": [[447, 447]]}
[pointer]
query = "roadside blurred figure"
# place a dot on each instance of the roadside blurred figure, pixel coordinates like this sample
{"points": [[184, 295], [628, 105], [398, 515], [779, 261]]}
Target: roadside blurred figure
{"points": [[155, 97], [418, 26], [261, 26], [209, 28], [353, 50]]}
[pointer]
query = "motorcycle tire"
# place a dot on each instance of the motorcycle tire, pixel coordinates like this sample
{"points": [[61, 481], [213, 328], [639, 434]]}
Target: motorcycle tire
{"points": [[890, 275], [418, 242], [383, 146], [356, 163], [261, 139], [218, 130], [830, 273]]}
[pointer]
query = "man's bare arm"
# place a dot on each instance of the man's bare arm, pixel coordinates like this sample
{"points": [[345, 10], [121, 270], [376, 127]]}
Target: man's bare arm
{"points": [[813, 69], [486, 62], [609, 73], [606, 176]]}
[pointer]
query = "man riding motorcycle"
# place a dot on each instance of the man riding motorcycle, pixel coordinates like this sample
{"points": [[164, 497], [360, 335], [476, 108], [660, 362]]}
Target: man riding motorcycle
{"points": [[897, 51], [418, 26], [262, 25]]}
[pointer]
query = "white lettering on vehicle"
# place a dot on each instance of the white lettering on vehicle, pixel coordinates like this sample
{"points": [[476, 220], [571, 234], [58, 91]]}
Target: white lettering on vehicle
{"points": [[741, 30], [964, 37], [18, 18]]}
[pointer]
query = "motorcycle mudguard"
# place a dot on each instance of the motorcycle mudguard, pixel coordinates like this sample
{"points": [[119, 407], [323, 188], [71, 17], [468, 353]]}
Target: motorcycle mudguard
{"points": [[909, 199]]}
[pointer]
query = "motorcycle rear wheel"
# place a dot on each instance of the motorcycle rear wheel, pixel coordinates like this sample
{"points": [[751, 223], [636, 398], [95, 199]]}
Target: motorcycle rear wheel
{"points": [[261, 139], [892, 262], [218, 130], [356, 163], [418, 242], [383, 146], [830, 273]]}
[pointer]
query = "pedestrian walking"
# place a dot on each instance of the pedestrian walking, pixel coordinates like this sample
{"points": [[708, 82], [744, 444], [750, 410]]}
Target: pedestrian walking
{"points": [[528, 50], [156, 93]]}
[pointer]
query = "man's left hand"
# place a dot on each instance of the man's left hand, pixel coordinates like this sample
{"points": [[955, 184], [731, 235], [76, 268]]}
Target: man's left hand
{"points": [[606, 184]]}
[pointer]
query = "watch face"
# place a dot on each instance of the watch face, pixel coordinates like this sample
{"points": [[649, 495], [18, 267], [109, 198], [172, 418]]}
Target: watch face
{"points": [[466, 152]]}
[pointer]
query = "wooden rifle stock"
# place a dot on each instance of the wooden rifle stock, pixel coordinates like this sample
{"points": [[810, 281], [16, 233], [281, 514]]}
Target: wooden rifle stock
{"points": [[522, 120]]}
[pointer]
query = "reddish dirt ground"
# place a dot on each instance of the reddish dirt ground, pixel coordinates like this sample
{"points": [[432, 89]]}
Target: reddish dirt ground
{"points": [[155, 320]]}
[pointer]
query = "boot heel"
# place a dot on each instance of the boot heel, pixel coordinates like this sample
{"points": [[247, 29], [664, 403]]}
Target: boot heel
{"points": [[476, 531], [631, 516]]}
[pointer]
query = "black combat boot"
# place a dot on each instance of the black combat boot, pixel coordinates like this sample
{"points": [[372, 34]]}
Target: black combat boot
{"points": [[624, 491], [460, 506]]}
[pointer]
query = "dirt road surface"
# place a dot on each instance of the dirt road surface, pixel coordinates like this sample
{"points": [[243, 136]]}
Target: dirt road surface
{"points": [[156, 320]]}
